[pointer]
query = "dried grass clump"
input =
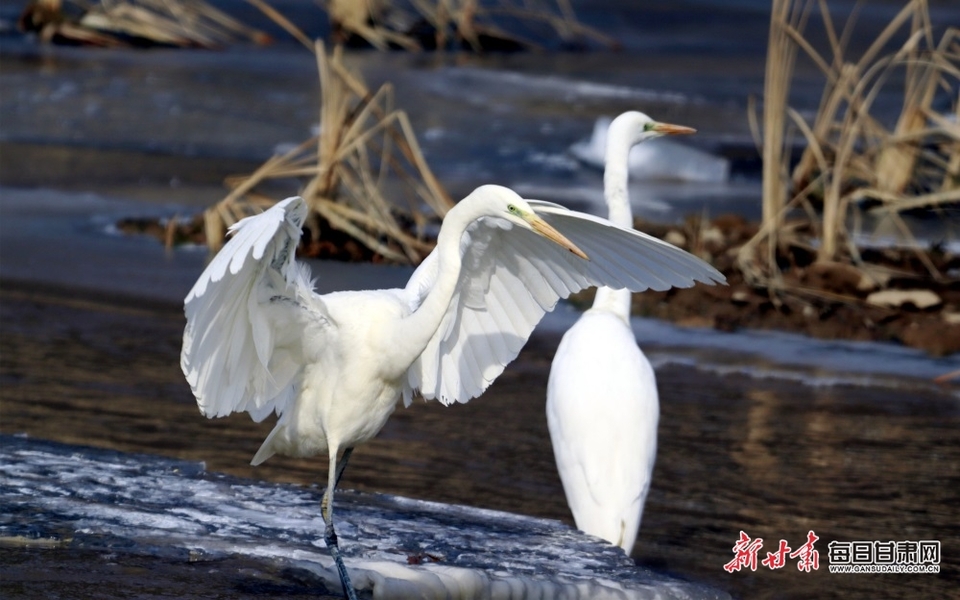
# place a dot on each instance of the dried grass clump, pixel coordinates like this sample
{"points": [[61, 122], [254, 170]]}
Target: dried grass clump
{"points": [[427, 24], [364, 173], [113, 23], [466, 21], [853, 161]]}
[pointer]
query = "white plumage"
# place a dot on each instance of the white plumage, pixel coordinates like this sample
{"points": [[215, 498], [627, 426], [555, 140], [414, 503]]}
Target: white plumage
{"points": [[259, 339], [602, 403], [602, 414]]}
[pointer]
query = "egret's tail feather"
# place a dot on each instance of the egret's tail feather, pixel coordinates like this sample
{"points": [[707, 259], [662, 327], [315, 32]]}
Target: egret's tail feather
{"points": [[266, 448]]}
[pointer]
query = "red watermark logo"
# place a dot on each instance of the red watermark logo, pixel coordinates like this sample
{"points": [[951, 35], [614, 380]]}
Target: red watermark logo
{"points": [[747, 549]]}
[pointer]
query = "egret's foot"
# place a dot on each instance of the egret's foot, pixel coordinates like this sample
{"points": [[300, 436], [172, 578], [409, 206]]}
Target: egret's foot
{"points": [[330, 538]]}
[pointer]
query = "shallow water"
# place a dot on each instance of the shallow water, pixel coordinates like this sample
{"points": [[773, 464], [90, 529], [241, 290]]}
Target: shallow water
{"points": [[773, 457]]}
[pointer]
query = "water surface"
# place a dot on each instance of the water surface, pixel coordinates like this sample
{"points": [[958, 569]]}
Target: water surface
{"points": [[773, 457]]}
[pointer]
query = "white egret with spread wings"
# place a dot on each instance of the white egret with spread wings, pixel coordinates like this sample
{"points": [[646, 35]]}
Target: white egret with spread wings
{"points": [[332, 367], [602, 402]]}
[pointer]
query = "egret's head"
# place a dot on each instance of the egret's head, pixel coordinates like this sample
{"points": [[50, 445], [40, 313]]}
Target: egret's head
{"points": [[637, 127], [507, 204]]}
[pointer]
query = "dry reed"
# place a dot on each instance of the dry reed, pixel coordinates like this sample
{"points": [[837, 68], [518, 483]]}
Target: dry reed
{"points": [[185, 23], [462, 22], [364, 173], [851, 157]]}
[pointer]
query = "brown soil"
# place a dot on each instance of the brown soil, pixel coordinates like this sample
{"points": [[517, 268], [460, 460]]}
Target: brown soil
{"points": [[832, 300], [328, 243], [824, 300]]}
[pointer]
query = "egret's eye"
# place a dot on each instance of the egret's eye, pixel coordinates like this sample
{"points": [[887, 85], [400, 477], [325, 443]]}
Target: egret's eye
{"points": [[513, 209], [648, 126]]}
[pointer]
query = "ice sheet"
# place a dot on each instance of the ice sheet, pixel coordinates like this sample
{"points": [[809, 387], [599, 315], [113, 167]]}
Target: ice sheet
{"points": [[394, 547]]}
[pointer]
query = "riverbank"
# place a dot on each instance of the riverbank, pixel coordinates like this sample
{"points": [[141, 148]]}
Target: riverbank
{"points": [[891, 297]]}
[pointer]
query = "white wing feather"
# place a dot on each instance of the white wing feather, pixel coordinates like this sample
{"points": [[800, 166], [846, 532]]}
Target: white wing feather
{"points": [[241, 348], [511, 276]]}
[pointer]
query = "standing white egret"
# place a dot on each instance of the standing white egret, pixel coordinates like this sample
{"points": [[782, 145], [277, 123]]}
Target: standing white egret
{"points": [[259, 339], [602, 404]]}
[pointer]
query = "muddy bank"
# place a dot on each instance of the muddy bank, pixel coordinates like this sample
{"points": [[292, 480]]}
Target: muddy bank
{"points": [[891, 297]]}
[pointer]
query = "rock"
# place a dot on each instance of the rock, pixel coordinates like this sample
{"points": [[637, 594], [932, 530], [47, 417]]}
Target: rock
{"points": [[873, 278], [676, 238], [735, 228], [712, 239], [921, 299]]}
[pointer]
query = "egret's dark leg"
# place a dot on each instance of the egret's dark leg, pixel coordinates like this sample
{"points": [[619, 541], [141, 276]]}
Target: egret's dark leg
{"points": [[342, 465], [326, 509]]}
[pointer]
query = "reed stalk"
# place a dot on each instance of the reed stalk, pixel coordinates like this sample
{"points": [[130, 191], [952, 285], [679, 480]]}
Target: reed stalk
{"points": [[364, 173], [781, 53], [185, 23], [851, 156], [460, 21]]}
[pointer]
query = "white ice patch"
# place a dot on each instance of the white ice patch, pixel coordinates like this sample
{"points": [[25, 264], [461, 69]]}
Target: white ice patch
{"points": [[555, 162], [394, 547]]}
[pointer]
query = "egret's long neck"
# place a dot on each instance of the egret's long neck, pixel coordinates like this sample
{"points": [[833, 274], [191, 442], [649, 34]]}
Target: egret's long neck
{"points": [[417, 329], [615, 177]]}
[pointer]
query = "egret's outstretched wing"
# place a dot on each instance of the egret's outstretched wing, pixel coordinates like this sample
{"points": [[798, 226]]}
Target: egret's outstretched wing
{"points": [[511, 276], [241, 348]]}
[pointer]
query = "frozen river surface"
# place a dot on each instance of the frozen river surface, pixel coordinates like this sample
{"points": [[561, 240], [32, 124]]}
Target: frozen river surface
{"points": [[395, 547]]}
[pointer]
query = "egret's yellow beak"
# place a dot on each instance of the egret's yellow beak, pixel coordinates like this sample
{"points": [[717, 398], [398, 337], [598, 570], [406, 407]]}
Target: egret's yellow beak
{"points": [[668, 129], [547, 231]]}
